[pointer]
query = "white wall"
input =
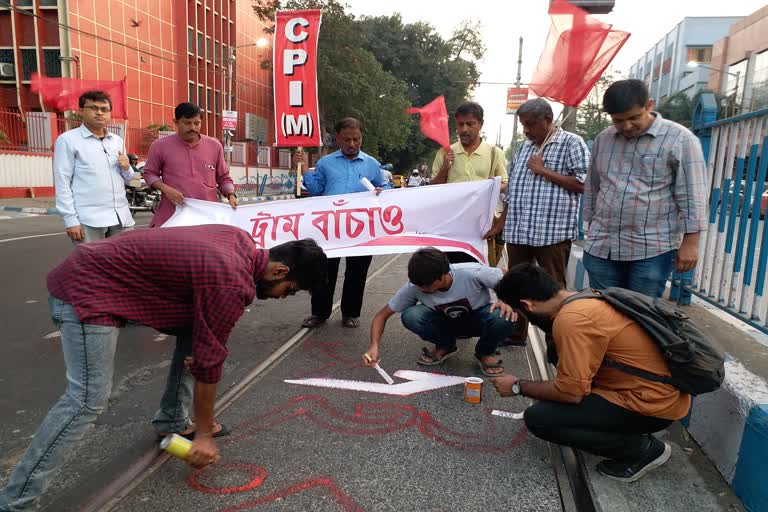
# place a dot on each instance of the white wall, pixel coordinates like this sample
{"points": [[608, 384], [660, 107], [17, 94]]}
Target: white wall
{"points": [[25, 170]]}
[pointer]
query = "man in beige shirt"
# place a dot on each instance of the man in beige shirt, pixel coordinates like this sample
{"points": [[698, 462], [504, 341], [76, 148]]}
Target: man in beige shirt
{"points": [[591, 406], [469, 159]]}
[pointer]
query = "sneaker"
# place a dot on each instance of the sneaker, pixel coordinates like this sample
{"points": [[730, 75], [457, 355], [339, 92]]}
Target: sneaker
{"points": [[628, 471]]}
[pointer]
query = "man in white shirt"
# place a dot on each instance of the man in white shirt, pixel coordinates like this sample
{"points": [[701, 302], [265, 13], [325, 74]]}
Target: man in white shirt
{"points": [[415, 180], [90, 170], [442, 302]]}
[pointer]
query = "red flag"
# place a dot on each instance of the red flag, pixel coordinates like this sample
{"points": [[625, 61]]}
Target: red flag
{"points": [[63, 93], [579, 49], [434, 121]]}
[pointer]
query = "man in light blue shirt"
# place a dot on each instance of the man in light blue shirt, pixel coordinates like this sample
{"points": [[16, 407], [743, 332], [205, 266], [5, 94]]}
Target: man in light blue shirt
{"points": [[90, 170], [444, 301], [340, 173]]}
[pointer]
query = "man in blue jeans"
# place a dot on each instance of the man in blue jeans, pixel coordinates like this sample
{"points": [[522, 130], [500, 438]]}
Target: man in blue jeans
{"points": [[644, 197], [441, 302], [195, 281]]}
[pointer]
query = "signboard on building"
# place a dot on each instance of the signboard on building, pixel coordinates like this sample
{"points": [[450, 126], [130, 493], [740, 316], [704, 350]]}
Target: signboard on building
{"points": [[516, 96], [229, 119], [297, 122], [255, 128]]}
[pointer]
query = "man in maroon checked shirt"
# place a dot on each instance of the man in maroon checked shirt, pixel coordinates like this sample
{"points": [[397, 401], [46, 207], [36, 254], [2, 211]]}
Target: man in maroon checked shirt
{"points": [[194, 282]]}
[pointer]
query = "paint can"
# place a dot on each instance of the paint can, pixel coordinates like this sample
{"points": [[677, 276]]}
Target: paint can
{"points": [[176, 445], [473, 389]]}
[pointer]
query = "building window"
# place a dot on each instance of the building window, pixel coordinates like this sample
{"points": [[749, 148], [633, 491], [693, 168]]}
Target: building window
{"points": [[224, 56], [734, 87], [667, 66], [760, 82], [217, 52], [200, 97], [217, 105], [52, 62], [7, 65], [49, 3], [23, 3], [208, 49], [190, 40], [28, 63], [701, 54], [200, 44], [209, 99], [192, 92]]}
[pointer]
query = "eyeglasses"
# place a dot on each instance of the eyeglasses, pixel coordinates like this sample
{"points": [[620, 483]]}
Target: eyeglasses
{"points": [[94, 108]]}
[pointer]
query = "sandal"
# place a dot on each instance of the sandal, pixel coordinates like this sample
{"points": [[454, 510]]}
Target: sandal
{"points": [[223, 431], [428, 357], [350, 322], [484, 367], [313, 321]]}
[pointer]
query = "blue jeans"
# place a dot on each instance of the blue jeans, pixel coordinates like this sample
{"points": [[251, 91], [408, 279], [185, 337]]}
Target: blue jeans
{"points": [[89, 352], [648, 276], [436, 328]]}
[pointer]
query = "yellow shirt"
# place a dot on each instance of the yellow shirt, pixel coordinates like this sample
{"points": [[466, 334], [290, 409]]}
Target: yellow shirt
{"points": [[588, 330], [474, 166]]}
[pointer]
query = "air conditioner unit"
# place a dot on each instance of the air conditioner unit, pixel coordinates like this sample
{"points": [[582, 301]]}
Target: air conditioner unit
{"points": [[7, 70]]}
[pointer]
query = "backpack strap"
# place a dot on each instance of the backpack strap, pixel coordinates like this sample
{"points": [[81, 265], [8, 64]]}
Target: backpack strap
{"points": [[637, 372]]}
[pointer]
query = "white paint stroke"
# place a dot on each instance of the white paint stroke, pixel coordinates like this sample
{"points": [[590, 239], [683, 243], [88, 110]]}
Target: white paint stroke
{"points": [[419, 382], [30, 301], [507, 414], [55, 334]]}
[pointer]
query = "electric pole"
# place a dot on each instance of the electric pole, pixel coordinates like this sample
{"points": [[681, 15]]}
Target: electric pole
{"points": [[517, 84]]}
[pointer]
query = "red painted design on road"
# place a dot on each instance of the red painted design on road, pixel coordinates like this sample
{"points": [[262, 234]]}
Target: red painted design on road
{"points": [[258, 475], [375, 419]]}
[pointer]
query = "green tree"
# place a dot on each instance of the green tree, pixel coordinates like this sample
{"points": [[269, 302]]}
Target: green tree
{"points": [[351, 82], [590, 118], [678, 107], [429, 65]]}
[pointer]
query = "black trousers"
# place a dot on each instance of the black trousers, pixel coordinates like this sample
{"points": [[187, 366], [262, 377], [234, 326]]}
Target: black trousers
{"points": [[354, 287], [460, 257], [595, 425]]}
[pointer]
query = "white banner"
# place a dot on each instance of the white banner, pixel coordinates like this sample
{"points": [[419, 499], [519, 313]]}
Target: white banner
{"points": [[451, 217]]}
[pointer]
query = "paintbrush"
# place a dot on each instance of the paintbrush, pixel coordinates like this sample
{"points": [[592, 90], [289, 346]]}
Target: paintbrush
{"points": [[384, 375]]}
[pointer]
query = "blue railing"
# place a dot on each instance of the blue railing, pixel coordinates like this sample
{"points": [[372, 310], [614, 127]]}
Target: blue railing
{"points": [[733, 253]]}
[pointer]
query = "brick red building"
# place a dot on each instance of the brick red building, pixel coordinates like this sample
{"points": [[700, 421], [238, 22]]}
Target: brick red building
{"points": [[169, 50]]}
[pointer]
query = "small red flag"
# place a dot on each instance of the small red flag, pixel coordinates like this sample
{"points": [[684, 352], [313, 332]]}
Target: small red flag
{"points": [[63, 93], [579, 49], [434, 121]]}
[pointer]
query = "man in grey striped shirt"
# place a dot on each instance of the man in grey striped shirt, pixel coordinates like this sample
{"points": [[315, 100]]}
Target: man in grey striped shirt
{"points": [[644, 197]]}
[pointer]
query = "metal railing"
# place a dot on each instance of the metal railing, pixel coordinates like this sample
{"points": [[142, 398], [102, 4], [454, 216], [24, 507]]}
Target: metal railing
{"points": [[733, 253]]}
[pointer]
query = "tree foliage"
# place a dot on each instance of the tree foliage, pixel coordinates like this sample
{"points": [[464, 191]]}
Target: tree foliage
{"points": [[590, 117], [678, 107], [373, 68]]}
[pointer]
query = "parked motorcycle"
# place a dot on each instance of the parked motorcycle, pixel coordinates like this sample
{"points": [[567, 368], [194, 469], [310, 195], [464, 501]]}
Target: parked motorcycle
{"points": [[141, 198]]}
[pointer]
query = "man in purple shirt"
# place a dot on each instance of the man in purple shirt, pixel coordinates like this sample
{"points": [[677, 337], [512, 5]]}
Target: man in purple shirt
{"points": [[187, 164]]}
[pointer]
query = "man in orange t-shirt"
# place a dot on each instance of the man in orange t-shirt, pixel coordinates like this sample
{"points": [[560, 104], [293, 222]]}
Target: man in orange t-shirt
{"points": [[589, 406]]}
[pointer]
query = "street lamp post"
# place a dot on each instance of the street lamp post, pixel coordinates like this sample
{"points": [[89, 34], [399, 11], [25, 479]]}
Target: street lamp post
{"points": [[737, 74], [260, 43]]}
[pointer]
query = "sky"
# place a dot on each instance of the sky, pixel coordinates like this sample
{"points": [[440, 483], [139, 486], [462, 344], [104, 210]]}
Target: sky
{"points": [[504, 21]]}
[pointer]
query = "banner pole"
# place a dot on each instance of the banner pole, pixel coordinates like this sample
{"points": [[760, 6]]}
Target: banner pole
{"points": [[298, 173]]}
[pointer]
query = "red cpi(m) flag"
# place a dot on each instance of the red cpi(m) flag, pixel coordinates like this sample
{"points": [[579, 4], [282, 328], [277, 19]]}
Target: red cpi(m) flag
{"points": [[579, 49], [434, 121], [63, 93], [297, 118]]}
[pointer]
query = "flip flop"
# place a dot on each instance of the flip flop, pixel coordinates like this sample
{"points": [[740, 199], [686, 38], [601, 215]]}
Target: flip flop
{"points": [[484, 367], [432, 359], [224, 430], [350, 322]]}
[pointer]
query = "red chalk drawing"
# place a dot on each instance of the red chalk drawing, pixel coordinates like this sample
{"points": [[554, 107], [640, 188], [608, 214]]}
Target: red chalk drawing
{"points": [[378, 419], [258, 475]]}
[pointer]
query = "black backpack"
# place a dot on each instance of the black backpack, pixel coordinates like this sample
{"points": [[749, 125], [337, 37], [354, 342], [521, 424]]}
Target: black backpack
{"points": [[695, 361]]}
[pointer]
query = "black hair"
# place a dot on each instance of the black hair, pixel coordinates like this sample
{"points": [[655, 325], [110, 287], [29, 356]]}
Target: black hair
{"points": [[526, 281], [427, 265], [624, 95], [186, 110], [348, 122], [307, 262], [470, 108], [94, 96]]}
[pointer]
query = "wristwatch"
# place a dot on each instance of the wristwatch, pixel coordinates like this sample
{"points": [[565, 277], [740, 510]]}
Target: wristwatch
{"points": [[516, 389]]}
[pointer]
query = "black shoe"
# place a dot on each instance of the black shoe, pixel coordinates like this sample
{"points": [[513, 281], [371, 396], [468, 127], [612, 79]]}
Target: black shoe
{"points": [[512, 342], [654, 456]]}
